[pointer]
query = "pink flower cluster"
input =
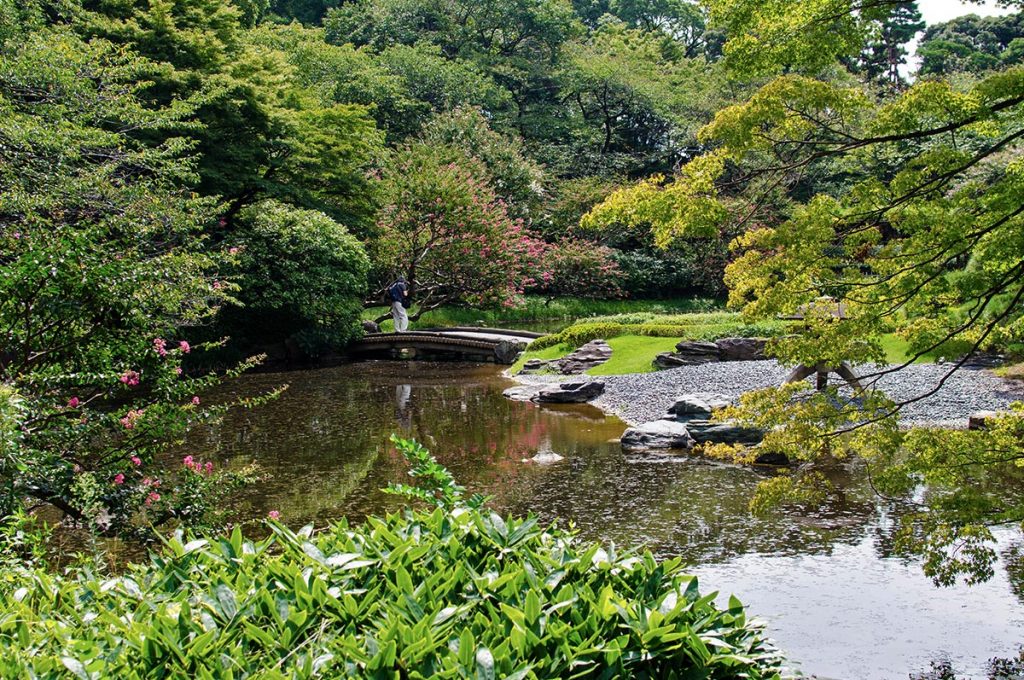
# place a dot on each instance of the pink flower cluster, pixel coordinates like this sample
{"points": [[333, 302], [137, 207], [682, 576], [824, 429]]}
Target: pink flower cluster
{"points": [[73, 402], [136, 461], [130, 378], [274, 514], [184, 347], [129, 420], [160, 345], [197, 466]]}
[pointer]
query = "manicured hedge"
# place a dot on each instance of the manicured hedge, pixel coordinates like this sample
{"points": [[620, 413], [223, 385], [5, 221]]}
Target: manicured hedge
{"points": [[447, 594]]}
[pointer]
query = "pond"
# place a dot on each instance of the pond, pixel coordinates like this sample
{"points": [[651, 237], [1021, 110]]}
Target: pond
{"points": [[835, 599]]}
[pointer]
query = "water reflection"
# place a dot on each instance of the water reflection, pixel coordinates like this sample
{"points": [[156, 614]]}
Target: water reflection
{"points": [[824, 579]]}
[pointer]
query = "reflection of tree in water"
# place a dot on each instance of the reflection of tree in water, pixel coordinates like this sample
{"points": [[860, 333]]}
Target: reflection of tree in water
{"points": [[1013, 561]]}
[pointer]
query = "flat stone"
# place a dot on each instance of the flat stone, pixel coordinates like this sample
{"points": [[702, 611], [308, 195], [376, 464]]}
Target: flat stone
{"points": [[741, 349], [690, 406], [659, 434], [708, 432], [669, 360], [698, 351], [521, 392], [980, 420], [592, 354], [570, 392], [534, 365]]}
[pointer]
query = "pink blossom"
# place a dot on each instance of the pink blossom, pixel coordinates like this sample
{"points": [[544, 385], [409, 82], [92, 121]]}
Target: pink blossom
{"points": [[118, 478], [161, 346], [152, 498], [233, 251], [187, 461], [147, 481], [177, 369], [16, 234], [130, 378], [208, 467], [274, 514], [73, 402], [195, 401], [217, 285], [184, 347], [136, 461], [128, 421]]}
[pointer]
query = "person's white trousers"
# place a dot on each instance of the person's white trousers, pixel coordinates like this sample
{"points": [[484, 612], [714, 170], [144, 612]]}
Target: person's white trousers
{"points": [[400, 317]]}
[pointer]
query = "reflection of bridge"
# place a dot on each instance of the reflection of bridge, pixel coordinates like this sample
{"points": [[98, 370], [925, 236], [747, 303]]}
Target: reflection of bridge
{"points": [[473, 344]]}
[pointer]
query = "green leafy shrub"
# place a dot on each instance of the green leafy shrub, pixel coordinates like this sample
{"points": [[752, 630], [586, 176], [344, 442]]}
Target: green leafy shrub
{"points": [[303, 278], [455, 592], [652, 325]]}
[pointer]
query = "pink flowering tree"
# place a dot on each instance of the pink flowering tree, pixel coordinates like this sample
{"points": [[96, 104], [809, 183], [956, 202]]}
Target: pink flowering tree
{"points": [[443, 227], [104, 272], [575, 267]]}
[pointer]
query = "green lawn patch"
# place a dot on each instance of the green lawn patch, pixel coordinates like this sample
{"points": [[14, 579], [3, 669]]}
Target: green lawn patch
{"points": [[633, 354]]}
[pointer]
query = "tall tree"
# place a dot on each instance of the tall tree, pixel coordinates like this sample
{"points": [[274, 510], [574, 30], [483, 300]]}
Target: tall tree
{"points": [[886, 52]]}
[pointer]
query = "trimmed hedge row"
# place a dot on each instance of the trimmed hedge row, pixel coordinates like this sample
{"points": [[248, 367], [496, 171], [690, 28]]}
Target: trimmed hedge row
{"points": [[446, 594], [582, 333]]}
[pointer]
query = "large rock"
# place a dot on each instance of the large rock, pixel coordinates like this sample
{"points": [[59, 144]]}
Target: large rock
{"points": [[698, 351], [981, 420], [371, 326], [669, 360], [660, 434], [708, 432], [691, 406], [570, 392], [741, 349], [507, 351], [592, 354]]}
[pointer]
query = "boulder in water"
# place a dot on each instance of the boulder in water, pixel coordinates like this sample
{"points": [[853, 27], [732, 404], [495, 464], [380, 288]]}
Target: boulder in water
{"points": [[659, 434]]}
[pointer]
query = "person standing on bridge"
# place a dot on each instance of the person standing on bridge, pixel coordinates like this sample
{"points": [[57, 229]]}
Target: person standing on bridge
{"points": [[398, 293]]}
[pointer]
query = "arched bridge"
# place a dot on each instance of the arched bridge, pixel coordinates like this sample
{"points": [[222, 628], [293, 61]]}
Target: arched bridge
{"points": [[496, 345]]}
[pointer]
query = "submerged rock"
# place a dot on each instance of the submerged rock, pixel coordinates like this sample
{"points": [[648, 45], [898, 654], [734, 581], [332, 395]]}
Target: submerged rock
{"points": [[659, 434], [544, 458], [521, 392], [570, 392]]}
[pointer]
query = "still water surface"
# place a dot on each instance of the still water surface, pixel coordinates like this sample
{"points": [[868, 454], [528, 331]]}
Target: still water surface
{"points": [[833, 597]]}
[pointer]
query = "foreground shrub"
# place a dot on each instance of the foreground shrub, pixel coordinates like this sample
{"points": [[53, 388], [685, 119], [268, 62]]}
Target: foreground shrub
{"points": [[440, 594], [456, 592]]}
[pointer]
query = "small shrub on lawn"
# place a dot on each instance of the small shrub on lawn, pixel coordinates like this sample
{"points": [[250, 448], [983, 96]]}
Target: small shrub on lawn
{"points": [[452, 593]]}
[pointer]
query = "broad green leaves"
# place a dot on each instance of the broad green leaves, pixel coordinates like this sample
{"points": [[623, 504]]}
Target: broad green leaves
{"points": [[423, 595]]}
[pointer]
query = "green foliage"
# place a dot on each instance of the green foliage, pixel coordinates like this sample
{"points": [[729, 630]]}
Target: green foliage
{"points": [[434, 483], [972, 44], [103, 259], [689, 327], [514, 177], [442, 594], [444, 228], [302, 279]]}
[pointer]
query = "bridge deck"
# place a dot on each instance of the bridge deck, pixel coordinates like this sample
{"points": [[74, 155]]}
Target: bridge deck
{"points": [[483, 344]]}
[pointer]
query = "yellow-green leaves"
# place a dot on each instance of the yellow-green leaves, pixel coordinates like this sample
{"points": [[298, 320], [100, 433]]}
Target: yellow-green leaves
{"points": [[688, 206]]}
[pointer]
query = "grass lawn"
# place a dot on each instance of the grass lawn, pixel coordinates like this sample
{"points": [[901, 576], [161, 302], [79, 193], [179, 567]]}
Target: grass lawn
{"points": [[633, 354]]}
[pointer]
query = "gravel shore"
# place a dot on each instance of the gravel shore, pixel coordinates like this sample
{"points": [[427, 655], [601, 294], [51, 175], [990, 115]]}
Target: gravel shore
{"points": [[641, 397]]}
